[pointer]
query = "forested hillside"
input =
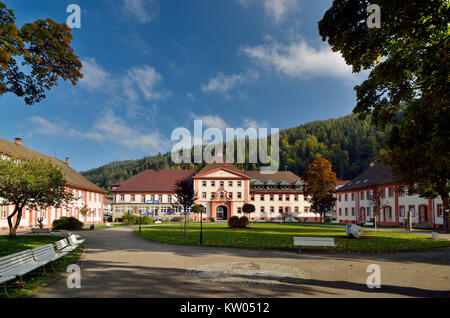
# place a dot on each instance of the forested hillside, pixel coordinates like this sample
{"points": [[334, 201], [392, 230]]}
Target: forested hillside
{"points": [[348, 143]]}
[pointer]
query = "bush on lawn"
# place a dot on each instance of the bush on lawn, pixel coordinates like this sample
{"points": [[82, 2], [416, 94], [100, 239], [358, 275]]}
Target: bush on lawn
{"points": [[243, 222], [131, 219], [67, 223], [233, 222], [236, 222]]}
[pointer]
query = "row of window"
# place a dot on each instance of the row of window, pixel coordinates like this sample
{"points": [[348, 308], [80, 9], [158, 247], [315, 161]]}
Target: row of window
{"points": [[145, 197], [388, 210], [369, 195], [283, 209], [44, 212], [287, 197], [222, 183]]}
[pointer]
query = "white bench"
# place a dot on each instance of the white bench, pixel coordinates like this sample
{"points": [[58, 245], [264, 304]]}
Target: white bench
{"points": [[63, 246], [18, 264], [368, 223], [314, 241], [74, 240], [46, 254]]}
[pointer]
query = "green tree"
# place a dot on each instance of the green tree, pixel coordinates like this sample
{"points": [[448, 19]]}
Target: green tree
{"points": [[33, 183], [409, 89], [248, 209], [185, 196], [84, 211], [319, 185], [34, 57]]}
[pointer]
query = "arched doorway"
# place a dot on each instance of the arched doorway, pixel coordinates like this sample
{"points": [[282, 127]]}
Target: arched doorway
{"points": [[423, 211], [221, 213]]}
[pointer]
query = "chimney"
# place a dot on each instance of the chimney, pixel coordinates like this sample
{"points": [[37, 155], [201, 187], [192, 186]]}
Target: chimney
{"points": [[18, 141], [67, 161]]}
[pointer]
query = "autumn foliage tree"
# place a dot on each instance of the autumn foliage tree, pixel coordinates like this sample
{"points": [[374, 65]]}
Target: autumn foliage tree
{"points": [[34, 57], [319, 185], [34, 183], [408, 90]]}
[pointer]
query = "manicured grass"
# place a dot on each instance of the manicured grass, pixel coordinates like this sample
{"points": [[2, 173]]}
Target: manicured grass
{"points": [[23, 242], [280, 236], [36, 280], [101, 227]]}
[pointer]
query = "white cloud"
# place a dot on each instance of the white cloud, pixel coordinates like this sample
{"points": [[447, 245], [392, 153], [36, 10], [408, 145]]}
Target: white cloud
{"points": [[191, 97], [94, 75], [108, 128], [251, 123], [142, 11], [278, 10], [143, 80], [223, 83], [299, 60], [45, 127], [211, 121]]}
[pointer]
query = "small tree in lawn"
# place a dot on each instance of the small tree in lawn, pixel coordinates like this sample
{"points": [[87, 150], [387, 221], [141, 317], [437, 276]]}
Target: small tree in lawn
{"points": [[84, 211], [248, 209], [377, 201], [185, 197], [320, 185], [33, 183]]}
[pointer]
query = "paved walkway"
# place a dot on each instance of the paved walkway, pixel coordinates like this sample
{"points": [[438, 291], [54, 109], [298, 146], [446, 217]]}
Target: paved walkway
{"points": [[118, 263]]}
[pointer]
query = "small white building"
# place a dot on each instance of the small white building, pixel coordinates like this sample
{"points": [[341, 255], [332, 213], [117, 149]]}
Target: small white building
{"points": [[85, 191], [355, 203]]}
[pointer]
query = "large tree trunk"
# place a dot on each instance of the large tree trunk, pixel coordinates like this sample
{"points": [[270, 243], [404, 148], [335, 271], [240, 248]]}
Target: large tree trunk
{"points": [[446, 206], [13, 229]]}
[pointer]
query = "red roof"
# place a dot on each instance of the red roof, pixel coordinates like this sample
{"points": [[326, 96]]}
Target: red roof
{"points": [[154, 181], [343, 182]]}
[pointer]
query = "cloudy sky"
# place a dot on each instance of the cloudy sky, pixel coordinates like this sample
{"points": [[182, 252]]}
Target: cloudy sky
{"points": [[152, 66]]}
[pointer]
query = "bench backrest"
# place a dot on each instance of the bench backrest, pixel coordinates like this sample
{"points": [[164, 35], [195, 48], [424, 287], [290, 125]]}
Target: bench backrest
{"points": [[12, 261], [44, 252], [313, 240], [62, 244], [72, 239]]}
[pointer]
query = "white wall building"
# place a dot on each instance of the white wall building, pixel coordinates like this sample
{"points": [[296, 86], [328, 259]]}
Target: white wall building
{"points": [[354, 202]]}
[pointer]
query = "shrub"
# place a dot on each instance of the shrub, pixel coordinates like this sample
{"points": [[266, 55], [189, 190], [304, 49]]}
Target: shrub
{"points": [[67, 223], [131, 219], [234, 222], [211, 219], [243, 222]]}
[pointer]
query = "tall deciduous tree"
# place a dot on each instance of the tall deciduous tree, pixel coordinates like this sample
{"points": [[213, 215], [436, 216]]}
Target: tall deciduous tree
{"points": [[185, 196], [409, 89], [319, 185], [34, 57], [33, 183]]}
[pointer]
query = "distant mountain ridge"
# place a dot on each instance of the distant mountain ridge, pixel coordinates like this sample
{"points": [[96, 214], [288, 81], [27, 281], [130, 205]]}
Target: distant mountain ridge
{"points": [[348, 143]]}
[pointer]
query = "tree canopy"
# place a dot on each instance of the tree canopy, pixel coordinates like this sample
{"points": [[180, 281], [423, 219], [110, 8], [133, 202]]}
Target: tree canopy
{"points": [[34, 57], [409, 90]]}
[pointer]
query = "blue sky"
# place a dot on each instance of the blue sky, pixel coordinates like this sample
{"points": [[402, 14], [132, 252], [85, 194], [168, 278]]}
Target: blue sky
{"points": [[152, 66]]}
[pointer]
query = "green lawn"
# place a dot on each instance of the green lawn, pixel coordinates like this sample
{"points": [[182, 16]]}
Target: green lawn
{"points": [[280, 236], [37, 280]]}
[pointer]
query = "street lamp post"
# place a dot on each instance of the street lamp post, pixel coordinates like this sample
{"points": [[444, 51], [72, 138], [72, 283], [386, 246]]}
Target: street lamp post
{"points": [[140, 219], [201, 225]]}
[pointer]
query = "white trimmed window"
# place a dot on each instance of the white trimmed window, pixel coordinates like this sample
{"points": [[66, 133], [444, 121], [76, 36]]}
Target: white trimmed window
{"points": [[4, 212]]}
